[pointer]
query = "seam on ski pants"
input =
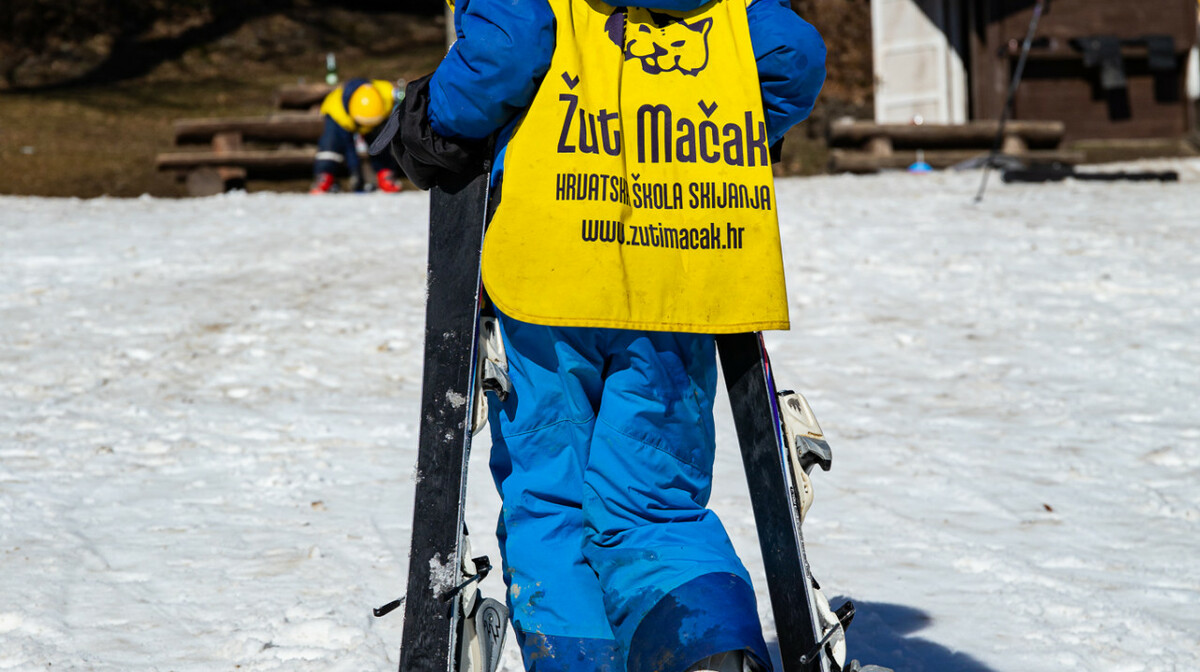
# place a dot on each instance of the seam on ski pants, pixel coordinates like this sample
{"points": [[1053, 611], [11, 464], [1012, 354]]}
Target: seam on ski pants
{"points": [[542, 428], [617, 430], [551, 589]]}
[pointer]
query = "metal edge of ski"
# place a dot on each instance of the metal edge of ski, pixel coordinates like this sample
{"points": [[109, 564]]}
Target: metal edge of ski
{"points": [[779, 448], [448, 626]]}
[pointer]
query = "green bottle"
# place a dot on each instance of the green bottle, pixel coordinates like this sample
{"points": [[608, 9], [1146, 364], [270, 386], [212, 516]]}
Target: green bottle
{"points": [[331, 76]]}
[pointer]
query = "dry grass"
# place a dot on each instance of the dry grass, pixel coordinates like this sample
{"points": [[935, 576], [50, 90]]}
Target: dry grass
{"points": [[91, 141]]}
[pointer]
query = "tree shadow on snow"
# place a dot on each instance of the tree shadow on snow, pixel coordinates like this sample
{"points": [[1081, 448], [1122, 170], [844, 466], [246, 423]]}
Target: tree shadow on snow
{"points": [[881, 634]]}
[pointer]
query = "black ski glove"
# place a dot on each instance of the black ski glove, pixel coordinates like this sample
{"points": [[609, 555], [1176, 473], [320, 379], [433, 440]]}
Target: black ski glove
{"points": [[426, 158]]}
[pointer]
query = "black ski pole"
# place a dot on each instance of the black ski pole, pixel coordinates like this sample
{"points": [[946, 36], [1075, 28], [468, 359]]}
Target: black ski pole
{"points": [[1012, 92]]}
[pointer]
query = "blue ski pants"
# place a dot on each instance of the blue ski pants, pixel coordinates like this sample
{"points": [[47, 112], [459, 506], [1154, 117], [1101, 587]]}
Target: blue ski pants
{"points": [[603, 456]]}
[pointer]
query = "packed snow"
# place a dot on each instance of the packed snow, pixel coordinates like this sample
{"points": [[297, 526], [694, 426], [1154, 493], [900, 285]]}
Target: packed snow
{"points": [[208, 416]]}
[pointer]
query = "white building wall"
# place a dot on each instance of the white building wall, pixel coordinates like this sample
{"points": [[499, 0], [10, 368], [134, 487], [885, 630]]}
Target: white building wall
{"points": [[919, 75]]}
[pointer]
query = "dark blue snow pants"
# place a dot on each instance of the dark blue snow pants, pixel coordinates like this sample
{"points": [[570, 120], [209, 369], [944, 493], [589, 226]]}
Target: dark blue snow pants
{"points": [[337, 155], [603, 456]]}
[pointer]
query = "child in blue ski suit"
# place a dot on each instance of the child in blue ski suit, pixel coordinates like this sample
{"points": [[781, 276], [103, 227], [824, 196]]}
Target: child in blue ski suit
{"points": [[603, 452]]}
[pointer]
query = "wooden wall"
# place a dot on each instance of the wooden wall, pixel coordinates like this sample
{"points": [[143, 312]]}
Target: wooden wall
{"points": [[1057, 85]]}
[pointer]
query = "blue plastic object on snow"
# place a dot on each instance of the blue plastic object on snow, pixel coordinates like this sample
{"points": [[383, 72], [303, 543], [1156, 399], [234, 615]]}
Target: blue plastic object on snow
{"points": [[920, 165]]}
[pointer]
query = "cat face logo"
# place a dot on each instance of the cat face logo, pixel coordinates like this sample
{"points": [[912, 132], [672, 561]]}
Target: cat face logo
{"points": [[663, 43]]}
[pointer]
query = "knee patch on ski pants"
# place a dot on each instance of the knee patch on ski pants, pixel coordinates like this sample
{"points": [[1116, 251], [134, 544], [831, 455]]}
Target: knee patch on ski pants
{"points": [[603, 456]]}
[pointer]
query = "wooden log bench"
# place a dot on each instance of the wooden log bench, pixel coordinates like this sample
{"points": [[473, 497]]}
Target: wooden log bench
{"points": [[866, 147], [295, 128], [230, 161]]}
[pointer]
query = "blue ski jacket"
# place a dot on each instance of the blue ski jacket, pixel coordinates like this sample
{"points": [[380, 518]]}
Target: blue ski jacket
{"points": [[504, 47]]}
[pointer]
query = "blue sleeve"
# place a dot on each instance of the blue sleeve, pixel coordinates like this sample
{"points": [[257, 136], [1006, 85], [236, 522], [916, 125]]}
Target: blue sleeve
{"points": [[791, 64], [494, 68]]}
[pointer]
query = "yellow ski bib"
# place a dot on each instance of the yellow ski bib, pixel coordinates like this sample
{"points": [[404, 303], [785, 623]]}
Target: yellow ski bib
{"points": [[637, 189]]}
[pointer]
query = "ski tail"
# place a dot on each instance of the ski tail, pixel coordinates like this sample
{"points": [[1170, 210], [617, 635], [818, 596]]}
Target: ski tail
{"points": [[781, 443], [751, 385], [432, 636]]}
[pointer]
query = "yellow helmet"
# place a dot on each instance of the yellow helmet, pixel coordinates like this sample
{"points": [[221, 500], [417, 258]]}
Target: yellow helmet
{"points": [[366, 106]]}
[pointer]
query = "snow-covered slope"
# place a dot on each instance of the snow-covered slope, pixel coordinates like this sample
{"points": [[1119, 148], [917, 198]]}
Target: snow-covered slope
{"points": [[208, 408]]}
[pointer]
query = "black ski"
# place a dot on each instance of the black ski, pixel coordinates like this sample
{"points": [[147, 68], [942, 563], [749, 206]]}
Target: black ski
{"points": [[431, 621], [774, 497]]}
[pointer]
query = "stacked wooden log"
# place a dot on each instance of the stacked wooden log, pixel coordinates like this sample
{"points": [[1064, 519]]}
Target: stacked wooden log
{"points": [[278, 146], [867, 147]]}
